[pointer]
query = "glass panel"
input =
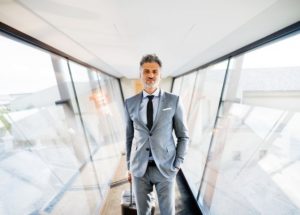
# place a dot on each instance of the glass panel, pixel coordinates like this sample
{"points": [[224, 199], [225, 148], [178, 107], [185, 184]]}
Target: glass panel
{"points": [[115, 129], [114, 91], [40, 151], [100, 113], [187, 89], [177, 85], [88, 94], [254, 164], [201, 121]]}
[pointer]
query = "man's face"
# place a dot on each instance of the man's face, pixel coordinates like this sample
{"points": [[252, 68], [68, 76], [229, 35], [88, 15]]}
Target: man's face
{"points": [[150, 75]]}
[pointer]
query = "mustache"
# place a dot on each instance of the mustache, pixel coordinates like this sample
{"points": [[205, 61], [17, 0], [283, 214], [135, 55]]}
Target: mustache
{"points": [[149, 84]]}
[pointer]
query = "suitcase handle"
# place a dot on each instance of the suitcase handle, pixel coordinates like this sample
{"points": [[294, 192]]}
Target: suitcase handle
{"points": [[130, 194]]}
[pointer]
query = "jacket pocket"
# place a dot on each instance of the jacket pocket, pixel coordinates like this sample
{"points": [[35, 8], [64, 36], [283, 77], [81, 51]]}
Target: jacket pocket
{"points": [[170, 148]]}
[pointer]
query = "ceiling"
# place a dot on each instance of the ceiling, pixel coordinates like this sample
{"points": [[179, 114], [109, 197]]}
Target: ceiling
{"points": [[113, 35]]}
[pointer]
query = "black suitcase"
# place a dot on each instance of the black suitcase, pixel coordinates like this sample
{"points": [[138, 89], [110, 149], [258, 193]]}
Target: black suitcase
{"points": [[128, 203]]}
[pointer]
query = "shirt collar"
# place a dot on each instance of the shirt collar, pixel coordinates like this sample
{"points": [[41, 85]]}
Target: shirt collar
{"points": [[156, 93]]}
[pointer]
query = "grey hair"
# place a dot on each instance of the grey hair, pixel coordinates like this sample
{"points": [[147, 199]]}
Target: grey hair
{"points": [[150, 58]]}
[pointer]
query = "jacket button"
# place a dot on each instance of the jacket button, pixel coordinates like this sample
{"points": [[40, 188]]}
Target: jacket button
{"points": [[150, 134], [147, 149]]}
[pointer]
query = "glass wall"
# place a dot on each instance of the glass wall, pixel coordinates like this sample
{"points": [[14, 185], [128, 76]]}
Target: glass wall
{"points": [[187, 90], [250, 158], [177, 85], [56, 133], [201, 119], [255, 156]]}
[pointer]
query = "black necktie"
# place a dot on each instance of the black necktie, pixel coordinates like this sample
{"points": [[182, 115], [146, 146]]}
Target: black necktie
{"points": [[149, 112]]}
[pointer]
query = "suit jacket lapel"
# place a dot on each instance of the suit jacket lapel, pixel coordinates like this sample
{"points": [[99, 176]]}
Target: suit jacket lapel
{"points": [[159, 109], [137, 103], [137, 109]]}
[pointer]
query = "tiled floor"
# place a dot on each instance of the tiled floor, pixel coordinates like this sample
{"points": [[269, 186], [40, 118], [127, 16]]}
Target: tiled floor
{"points": [[185, 204]]}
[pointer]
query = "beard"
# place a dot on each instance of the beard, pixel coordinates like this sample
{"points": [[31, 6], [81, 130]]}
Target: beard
{"points": [[151, 85]]}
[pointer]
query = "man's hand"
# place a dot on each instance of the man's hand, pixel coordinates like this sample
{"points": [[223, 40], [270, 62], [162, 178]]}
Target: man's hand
{"points": [[129, 176]]}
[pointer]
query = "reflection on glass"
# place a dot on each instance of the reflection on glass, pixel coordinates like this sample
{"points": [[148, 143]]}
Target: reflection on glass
{"points": [[254, 162], [38, 157], [187, 89], [201, 119], [177, 86], [100, 111], [49, 163]]}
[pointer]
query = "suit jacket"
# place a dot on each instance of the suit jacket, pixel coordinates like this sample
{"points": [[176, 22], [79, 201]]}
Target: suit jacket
{"points": [[166, 154]]}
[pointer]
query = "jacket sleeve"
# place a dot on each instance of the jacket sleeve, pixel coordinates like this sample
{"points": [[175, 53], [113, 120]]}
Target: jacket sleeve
{"points": [[129, 135], [181, 132]]}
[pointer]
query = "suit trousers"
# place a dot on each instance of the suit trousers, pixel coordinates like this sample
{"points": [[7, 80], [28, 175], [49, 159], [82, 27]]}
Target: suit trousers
{"points": [[165, 189]]}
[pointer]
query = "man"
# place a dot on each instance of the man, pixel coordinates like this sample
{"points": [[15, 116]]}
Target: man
{"points": [[153, 158]]}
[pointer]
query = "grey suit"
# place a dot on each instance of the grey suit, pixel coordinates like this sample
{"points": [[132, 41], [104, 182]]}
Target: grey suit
{"points": [[167, 155]]}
